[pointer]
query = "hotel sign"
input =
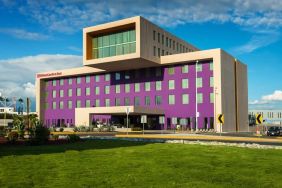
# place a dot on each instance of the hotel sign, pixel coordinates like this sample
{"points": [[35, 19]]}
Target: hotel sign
{"points": [[43, 75]]}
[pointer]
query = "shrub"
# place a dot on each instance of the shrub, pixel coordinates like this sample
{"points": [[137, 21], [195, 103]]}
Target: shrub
{"points": [[12, 136], [61, 129], [55, 137], [75, 129], [41, 134], [136, 129], [110, 128], [73, 138]]}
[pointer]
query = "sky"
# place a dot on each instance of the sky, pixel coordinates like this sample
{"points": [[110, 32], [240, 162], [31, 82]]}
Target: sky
{"points": [[44, 35]]}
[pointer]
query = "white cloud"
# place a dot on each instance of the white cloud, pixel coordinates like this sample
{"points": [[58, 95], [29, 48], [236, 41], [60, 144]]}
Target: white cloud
{"points": [[23, 34], [271, 101], [276, 96], [255, 102], [18, 75]]}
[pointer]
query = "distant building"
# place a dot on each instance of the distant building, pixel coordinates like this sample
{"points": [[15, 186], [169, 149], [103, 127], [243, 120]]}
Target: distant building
{"points": [[8, 110], [269, 116]]}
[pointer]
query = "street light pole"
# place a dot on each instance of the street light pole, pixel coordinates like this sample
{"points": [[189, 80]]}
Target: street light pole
{"points": [[196, 96]]}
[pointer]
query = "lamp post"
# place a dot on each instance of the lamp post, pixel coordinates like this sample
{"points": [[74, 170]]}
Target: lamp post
{"points": [[196, 96], [127, 113]]}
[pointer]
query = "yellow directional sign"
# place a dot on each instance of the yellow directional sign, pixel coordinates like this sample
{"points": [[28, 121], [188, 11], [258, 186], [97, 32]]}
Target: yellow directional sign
{"points": [[220, 118], [259, 119]]}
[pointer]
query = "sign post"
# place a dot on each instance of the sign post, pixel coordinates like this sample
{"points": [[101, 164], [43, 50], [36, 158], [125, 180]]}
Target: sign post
{"points": [[143, 120], [161, 122], [127, 110], [174, 122], [259, 121], [220, 119]]}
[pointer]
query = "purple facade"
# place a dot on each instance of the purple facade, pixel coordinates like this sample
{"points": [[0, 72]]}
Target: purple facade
{"points": [[178, 110]]}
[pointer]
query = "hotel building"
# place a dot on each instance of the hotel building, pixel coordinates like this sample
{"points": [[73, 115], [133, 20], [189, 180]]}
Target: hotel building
{"points": [[134, 64]]}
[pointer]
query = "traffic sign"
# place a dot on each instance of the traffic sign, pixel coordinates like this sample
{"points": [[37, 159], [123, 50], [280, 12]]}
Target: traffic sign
{"points": [[144, 119], [127, 110], [259, 119], [220, 118]]}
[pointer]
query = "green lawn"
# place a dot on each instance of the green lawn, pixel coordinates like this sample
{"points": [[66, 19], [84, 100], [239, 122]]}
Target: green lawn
{"points": [[136, 164]]}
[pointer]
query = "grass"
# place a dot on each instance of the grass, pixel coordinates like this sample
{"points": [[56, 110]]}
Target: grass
{"points": [[100, 163]]}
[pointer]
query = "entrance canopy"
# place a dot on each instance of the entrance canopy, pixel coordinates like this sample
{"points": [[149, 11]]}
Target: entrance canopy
{"points": [[82, 115]]}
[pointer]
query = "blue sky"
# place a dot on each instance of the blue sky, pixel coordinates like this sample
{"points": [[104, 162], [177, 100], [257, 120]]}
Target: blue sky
{"points": [[40, 35]]}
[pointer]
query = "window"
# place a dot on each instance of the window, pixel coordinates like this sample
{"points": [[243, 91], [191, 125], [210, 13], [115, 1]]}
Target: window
{"points": [[61, 82], [61, 104], [78, 92], [158, 85], [163, 53], [185, 69], [199, 67], [97, 90], [54, 93], [137, 87], [87, 91], [46, 105], [69, 104], [107, 89], [211, 81], [199, 98], [127, 75], [87, 79], [154, 35], [117, 75], [159, 37], [117, 88], [211, 65], [61, 93], [78, 80], [169, 43], [158, 100], [87, 103], [127, 88], [155, 50], [166, 42], [54, 83], [107, 102], [185, 98], [117, 102], [199, 82], [78, 104], [173, 45], [171, 70], [171, 99], [147, 86], [211, 98], [136, 101], [54, 105], [97, 78], [70, 81], [147, 100], [97, 102], [158, 72], [159, 52], [171, 84], [162, 39], [126, 101], [185, 83], [70, 92], [107, 77]]}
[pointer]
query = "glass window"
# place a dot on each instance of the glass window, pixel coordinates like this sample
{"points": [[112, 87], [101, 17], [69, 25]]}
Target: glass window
{"points": [[185, 69], [136, 101], [158, 71], [211, 65], [107, 102], [147, 100], [117, 102], [162, 39], [185, 98], [107, 89], [78, 104], [97, 90], [147, 86], [97, 78], [199, 98], [137, 87], [155, 50], [199, 67], [211, 98], [117, 76], [171, 70], [107, 77], [70, 92], [112, 39], [87, 79], [127, 75], [132, 35], [54, 93], [119, 38], [171, 84], [158, 100], [87, 91], [97, 103], [54, 105], [154, 35], [112, 50], [70, 81], [106, 40], [159, 36], [158, 85], [127, 88], [54, 83], [61, 104], [211, 81], [159, 52], [87, 103], [171, 99], [61, 93], [119, 49], [185, 83], [166, 42], [78, 80], [117, 88], [199, 82], [61, 82], [126, 101], [69, 104], [78, 92]]}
